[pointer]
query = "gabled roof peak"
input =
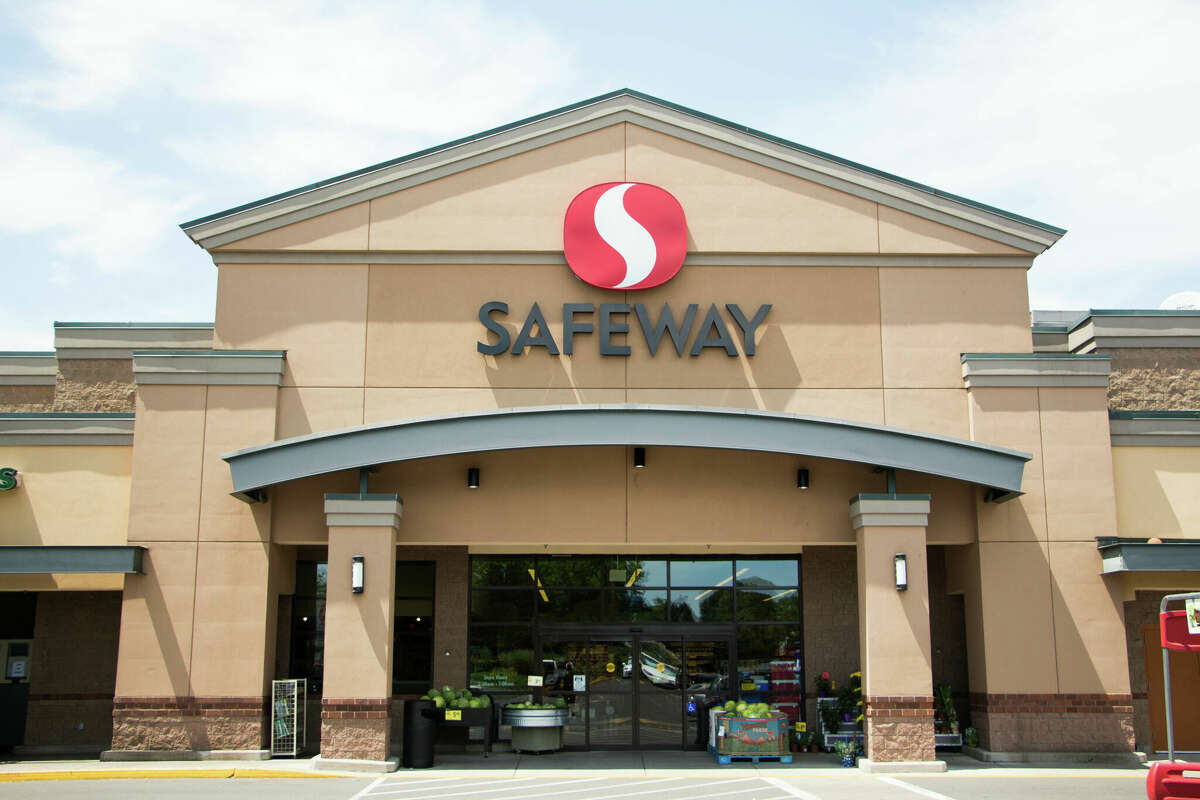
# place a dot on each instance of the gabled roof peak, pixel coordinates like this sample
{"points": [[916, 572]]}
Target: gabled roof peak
{"points": [[622, 105]]}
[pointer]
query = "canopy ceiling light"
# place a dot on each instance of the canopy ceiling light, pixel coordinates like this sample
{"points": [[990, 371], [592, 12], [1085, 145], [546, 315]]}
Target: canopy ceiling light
{"points": [[801, 479], [473, 477], [639, 457]]}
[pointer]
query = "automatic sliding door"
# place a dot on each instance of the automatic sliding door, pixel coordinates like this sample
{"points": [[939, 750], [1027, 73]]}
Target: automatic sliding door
{"points": [[660, 676], [610, 682]]}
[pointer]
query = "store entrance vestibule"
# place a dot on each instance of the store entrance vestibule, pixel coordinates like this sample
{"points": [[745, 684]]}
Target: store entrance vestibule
{"points": [[641, 687]]}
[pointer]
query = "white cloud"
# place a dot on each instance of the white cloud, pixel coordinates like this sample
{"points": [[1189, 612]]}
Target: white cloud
{"points": [[295, 90], [95, 209], [1080, 114]]}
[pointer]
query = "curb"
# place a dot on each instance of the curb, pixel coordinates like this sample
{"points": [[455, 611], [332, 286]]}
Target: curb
{"points": [[127, 774]]}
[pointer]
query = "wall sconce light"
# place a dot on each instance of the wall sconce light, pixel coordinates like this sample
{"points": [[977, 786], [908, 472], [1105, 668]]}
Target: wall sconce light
{"points": [[801, 479], [473, 478], [639, 457], [358, 569], [901, 572]]}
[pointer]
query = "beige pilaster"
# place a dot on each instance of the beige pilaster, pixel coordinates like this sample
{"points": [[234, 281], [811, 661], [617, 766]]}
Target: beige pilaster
{"points": [[894, 641], [356, 704]]}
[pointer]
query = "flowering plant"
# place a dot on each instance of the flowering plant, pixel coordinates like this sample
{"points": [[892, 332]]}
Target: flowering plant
{"points": [[823, 682]]}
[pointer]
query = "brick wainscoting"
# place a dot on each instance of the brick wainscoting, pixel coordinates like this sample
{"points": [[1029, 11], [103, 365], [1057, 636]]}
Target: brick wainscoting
{"points": [[355, 728], [899, 728], [1054, 723], [188, 723]]}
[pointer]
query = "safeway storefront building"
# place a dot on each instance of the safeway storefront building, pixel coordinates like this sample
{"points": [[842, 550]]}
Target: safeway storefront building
{"points": [[615, 385]]}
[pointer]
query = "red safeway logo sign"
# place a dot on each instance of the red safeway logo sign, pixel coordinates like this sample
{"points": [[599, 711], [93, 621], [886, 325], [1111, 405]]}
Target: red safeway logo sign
{"points": [[625, 235]]}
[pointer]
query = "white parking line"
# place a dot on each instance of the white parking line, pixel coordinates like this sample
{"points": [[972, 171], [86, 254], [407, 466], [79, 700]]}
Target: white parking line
{"points": [[791, 790], [643, 783], [369, 787], [423, 788], [932, 795]]}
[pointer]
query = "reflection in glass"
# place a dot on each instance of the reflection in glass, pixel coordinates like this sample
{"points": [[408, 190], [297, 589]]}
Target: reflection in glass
{"points": [[611, 719], [768, 605], [569, 605], [767, 572], [636, 605], [575, 571], [701, 573], [500, 657], [661, 665], [640, 572], [561, 661], [500, 571], [501, 605], [575, 731], [707, 685], [701, 605], [610, 665], [660, 700]]}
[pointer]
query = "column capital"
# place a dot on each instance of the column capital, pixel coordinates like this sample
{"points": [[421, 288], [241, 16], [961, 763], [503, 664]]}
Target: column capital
{"points": [[363, 510], [889, 510]]}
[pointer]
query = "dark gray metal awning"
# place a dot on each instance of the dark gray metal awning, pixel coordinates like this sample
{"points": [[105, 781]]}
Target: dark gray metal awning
{"points": [[996, 468], [39, 560], [1138, 555]]}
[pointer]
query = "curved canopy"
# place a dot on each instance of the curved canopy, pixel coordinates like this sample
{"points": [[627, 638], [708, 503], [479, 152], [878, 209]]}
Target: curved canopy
{"points": [[996, 468]]}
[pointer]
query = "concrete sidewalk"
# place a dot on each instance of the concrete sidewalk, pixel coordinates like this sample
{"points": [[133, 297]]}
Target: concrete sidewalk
{"points": [[506, 764]]}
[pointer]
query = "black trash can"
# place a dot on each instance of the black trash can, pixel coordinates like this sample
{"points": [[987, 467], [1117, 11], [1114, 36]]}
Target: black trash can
{"points": [[420, 728]]}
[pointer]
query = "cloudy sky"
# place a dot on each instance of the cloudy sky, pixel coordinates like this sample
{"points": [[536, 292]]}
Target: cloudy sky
{"points": [[119, 120]]}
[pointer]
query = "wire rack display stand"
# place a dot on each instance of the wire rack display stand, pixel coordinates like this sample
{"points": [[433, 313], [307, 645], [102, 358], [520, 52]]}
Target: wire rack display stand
{"points": [[287, 716]]}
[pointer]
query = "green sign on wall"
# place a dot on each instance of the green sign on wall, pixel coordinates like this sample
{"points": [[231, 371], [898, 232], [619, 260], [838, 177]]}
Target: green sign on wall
{"points": [[8, 479]]}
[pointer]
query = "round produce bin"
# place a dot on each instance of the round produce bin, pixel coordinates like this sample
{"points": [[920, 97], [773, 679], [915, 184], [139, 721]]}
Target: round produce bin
{"points": [[535, 730], [420, 729]]}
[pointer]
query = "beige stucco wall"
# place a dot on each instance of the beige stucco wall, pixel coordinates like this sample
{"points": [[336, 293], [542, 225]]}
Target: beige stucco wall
{"points": [[68, 495], [1156, 491]]}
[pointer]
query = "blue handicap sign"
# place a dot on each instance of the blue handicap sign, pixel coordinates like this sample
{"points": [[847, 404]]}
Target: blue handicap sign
{"points": [[691, 706]]}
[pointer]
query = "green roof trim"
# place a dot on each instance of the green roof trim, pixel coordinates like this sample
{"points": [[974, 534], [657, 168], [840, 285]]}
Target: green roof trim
{"points": [[1049, 327], [1182, 413], [66, 415], [964, 357], [26, 354], [201, 325], [645, 98], [1134, 312]]}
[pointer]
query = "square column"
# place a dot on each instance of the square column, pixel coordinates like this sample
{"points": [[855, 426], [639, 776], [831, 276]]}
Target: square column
{"points": [[359, 624], [894, 641]]}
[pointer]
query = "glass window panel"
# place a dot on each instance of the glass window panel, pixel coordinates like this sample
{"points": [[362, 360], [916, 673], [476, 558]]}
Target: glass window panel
{"points": [[701, 573], [644, 572], [569, 605], [414, 579], [605, 652], [501, 657], [701, 605], [768, 656], [501, 605], [575, 571], [611, 719], [636, 605], [767, 572], [501, 571], [768, 605], [407, 607]]}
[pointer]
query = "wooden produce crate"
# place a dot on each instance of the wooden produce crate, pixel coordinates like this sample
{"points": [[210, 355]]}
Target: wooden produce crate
{"points": [[743, 736]]}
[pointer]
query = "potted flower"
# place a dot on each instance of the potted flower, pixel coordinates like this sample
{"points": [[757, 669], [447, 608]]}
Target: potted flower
{"points": [[847, 749], [823, 683]]}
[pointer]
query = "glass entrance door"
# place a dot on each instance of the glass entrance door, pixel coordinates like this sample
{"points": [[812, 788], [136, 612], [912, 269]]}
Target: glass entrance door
{"points": [[644, 690]]}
